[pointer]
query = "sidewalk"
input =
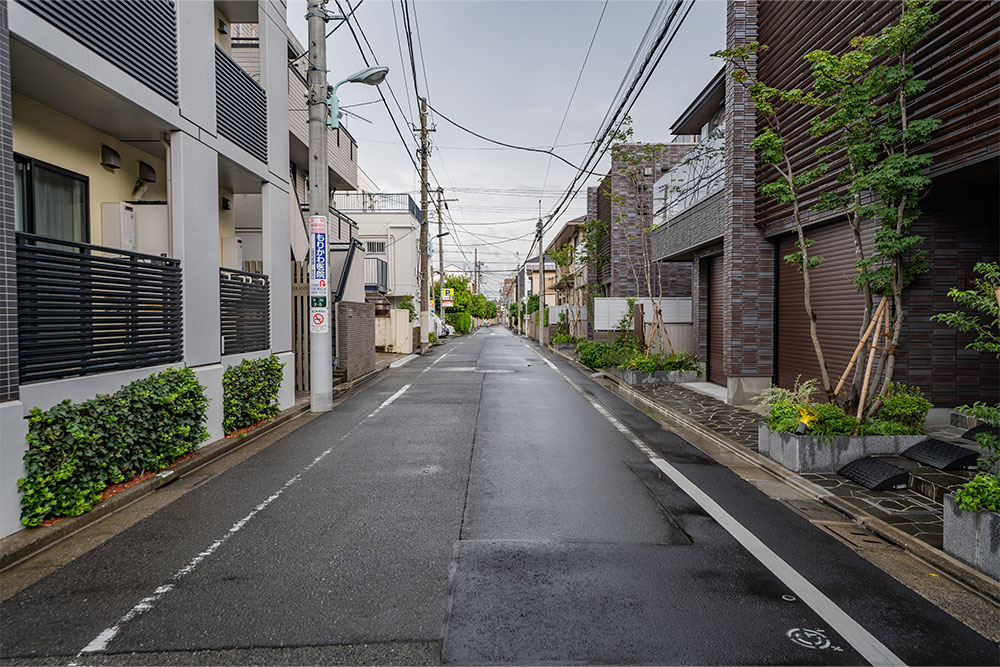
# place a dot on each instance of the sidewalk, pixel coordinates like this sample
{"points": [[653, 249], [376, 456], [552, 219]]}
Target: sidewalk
{"points": [[905, 518]]}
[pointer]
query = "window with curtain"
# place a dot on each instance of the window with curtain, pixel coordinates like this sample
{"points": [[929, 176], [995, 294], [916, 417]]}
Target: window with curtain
{"points": [[50, 201]]}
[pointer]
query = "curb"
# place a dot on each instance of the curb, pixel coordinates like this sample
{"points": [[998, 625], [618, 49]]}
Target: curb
{"points": [[978, 582], [27, 543]]}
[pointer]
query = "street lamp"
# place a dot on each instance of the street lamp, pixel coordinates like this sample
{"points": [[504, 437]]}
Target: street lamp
{"points": [[370, 76]]}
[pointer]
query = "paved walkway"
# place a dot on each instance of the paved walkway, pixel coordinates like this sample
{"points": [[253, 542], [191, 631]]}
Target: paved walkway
{"points": [[907, 510]]}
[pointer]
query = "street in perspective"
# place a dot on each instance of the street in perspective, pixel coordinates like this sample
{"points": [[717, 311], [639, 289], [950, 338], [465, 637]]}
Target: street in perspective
{"points": [[423, 332]]}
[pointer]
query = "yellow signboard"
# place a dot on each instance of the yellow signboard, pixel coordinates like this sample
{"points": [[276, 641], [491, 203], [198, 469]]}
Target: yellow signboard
{"points": [[447, 294]]}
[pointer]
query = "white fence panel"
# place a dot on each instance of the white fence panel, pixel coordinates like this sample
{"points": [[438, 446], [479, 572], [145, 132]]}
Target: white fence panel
{"points": [[608, 311]]}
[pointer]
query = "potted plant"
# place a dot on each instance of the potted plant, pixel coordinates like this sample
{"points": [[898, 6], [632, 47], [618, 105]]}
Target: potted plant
{"points": [[805, 436]]}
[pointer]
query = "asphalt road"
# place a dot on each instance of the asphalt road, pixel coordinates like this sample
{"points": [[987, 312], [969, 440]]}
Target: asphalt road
{"points": [[484, 504]]}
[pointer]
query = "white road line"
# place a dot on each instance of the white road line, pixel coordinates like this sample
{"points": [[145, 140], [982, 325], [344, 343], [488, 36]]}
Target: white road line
{"points": [[389, 400], [103, 638], [874, 651], [402, 362], [440, 358]]}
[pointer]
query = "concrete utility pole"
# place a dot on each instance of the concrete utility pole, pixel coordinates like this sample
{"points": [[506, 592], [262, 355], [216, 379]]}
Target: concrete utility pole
{"points": [[440, 257], [517, 293], [320, 341], [425, 287], [475, 271], [541, 286]]}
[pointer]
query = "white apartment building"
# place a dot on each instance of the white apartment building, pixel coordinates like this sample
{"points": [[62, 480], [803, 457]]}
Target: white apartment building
{"points": [[135, 138]]}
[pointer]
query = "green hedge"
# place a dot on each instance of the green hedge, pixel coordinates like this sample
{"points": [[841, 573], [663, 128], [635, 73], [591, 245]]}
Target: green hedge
{"points": [[462, 321], [250, 393], [76, 450]]}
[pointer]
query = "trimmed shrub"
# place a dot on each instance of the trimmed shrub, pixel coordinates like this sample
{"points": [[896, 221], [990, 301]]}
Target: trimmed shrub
{"points": [[76, 450], [250, 393], [905, 405], [462, 321]]}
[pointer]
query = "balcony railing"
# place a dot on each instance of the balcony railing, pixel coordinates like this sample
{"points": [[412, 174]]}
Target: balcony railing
{"points": [[376, 275], [85, 309], [245, 300], [378, 202], [699, 175], [241, 106]]}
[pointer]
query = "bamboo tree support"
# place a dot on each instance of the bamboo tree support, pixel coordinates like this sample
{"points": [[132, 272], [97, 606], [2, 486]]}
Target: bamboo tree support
{"points": [[861, 343], [658, 325], [868, 370]]}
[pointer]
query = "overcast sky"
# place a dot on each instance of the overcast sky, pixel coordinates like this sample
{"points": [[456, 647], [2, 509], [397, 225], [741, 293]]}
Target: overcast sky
{"points": [[506, 70]]}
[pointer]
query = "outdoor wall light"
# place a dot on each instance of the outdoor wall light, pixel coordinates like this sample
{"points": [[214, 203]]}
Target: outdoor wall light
{"points": [[227, 204], [223, 28], [146, 173], [370, 76], [110, 157]]}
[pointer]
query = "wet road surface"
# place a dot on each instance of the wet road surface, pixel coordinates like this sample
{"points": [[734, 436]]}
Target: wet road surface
{"points": [[484, 504]]}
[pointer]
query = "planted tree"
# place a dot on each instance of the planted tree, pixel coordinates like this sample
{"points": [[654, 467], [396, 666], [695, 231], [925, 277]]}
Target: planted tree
{"points": [[860, 100]]}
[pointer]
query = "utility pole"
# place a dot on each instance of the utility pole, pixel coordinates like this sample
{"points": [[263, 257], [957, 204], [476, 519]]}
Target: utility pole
{"points": [[425, 287], [320, 341], [475, 271], [541, 286], [517, 293], [440, 257]]}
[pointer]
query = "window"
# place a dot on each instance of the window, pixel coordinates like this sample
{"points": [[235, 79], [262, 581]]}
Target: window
{"points": [[375, 247], [50, 201]]}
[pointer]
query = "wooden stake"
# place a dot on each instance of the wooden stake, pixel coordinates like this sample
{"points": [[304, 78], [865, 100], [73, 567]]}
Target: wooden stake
{"points": [[868, 370], [857, 350]]}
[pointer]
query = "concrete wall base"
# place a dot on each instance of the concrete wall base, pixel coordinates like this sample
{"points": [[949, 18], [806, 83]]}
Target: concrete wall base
{"points": [[13, 429], [740, 389]]}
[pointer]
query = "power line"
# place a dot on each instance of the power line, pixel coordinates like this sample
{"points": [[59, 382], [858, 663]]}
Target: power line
{"points": [[575, 86], [506, 145]]}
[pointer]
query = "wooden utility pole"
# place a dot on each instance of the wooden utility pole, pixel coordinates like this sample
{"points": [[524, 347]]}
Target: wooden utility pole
{"points": [[425, 286]]}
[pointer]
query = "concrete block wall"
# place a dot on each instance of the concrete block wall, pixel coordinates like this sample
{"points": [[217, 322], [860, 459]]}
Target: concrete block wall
{"points": [[356, 338]]}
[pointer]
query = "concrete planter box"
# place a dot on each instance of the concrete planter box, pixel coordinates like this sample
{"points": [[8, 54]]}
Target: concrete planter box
{"points": [[635, 378], [804, 453], [972, 537], [565, 348]]}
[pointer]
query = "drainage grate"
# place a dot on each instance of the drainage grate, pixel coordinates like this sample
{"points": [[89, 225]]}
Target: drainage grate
{"points": [[942, 455], [859, 537], [875, 474]]}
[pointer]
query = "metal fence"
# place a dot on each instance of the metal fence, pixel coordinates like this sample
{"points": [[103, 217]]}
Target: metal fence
{"points": [[85, 309], [354, 202], [376, 275], [245, 300]]}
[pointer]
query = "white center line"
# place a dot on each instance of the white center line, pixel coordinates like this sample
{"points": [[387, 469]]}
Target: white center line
{"points": [[103, 638], [874, 651]]}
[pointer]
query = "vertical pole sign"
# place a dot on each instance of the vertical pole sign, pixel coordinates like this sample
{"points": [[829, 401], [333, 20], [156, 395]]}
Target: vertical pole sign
{"points": [[319, 287]]}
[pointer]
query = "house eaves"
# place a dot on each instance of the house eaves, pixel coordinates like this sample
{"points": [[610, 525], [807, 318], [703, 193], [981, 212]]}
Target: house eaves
{"points": [[703, 108]]}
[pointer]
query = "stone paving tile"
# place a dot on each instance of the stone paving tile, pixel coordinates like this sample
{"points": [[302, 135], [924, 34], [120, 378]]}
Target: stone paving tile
{"points": [[734, 423]]}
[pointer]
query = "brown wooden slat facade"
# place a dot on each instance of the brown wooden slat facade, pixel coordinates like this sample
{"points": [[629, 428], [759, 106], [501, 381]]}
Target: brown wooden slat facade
{"points": [[838, 305], [960, 59]]}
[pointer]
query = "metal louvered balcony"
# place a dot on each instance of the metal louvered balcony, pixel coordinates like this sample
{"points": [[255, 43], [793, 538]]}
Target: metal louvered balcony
{"points": [[241, 106]]}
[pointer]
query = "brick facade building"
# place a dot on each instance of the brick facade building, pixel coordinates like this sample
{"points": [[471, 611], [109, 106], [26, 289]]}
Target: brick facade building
{"points": [[624, 201]]}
